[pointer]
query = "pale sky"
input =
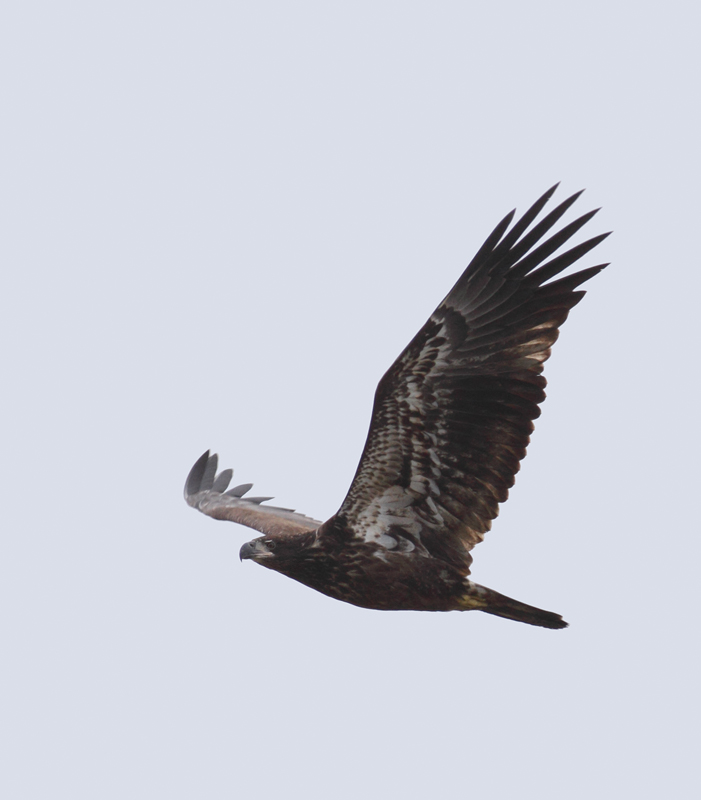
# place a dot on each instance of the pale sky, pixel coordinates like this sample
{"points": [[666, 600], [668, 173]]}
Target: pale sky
{"points": [[222, 222]]}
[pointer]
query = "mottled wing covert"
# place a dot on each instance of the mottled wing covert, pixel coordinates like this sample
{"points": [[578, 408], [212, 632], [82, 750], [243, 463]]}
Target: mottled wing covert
{"points": [[453, 415]]}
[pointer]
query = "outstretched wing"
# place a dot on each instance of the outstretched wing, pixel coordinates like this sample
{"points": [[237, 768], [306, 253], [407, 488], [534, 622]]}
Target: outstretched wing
{"points": [[207, 492], [453, 415]]}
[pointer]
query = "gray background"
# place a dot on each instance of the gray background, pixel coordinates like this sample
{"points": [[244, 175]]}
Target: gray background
{"points": [[222, 222]]}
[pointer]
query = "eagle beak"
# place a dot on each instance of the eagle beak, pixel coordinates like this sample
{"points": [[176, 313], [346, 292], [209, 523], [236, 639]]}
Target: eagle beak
{"points": [[247, 551], [255, 549]]}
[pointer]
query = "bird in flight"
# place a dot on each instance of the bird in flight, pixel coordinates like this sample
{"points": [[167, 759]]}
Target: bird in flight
{"points": [[451, 421]]}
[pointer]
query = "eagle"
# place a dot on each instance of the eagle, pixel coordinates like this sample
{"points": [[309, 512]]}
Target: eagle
{"points": [[451, 421]]}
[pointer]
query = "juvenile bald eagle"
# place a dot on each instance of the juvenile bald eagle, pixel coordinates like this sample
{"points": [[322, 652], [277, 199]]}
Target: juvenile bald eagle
{"points": [[450, 424]]}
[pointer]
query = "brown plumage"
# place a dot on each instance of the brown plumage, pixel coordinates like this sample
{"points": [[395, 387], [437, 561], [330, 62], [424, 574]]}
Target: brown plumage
{"points": [[451, 421]]}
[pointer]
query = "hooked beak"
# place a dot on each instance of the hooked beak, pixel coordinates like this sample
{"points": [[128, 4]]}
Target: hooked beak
{"points": [[247, 551], [255, 549]]}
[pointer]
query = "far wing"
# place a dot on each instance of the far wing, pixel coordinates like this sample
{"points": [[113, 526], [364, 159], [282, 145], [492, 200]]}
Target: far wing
{"points": [[206, 491], [453, 415]]}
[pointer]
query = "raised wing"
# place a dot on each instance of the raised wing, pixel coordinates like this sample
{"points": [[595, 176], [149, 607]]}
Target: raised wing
{"points": [[207, 492], [453, 415]]}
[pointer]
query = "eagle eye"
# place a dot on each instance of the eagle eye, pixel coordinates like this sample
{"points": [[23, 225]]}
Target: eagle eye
{"points": [[270, 544]]}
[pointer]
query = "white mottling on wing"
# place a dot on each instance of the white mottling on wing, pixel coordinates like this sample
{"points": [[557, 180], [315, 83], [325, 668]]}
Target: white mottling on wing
{"points": [[388, 542], [405, 546], [434, 509], [418, 484], [392, 508]]}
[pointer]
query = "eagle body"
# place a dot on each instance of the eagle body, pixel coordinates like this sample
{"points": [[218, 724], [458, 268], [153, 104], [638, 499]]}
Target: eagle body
{"points": [[362, 573], [451, 421], [366, 574]]}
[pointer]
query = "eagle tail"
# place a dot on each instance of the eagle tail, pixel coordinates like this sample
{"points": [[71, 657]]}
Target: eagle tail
{"points": [[502, 606]]}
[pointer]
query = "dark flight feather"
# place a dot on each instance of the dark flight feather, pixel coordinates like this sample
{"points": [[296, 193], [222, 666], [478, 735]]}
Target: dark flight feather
{"points": [[451, 421]]}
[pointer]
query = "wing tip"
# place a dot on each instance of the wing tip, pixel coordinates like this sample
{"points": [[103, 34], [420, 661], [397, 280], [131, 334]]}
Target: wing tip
{"points": [[193, 482]]}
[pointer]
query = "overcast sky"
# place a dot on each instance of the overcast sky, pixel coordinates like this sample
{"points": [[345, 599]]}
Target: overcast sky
{"points": [[222, 221]]}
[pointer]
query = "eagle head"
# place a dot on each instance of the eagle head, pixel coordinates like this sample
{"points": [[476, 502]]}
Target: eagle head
{"points": [[277, 550]]}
